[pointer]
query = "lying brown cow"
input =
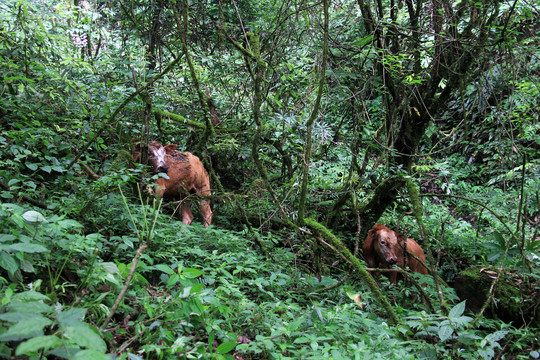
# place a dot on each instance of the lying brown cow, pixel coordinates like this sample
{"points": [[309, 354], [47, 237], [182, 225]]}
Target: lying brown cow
{"points": [[384, 247], [186, 175]]}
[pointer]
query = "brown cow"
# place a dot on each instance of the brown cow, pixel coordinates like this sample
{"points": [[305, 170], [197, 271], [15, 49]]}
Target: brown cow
{"points": [[186, 174], [384, 247]]}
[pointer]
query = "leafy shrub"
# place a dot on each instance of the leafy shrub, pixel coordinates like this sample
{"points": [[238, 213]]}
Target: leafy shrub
{"points": [[33, 325]]}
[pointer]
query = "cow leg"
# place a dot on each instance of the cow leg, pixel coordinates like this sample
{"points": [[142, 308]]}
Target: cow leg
{"points": [[393, 277], [206, 213], [159, 189], [187, 216]]}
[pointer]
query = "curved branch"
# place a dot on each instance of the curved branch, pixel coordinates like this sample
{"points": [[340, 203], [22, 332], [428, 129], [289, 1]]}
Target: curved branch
{"points": [[498, 216], [417, 211], [122, 293], [342, 251], [121, 106], [313, 116], [203, 100]]}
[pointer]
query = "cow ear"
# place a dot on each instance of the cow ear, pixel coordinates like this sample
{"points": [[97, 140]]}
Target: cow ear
{"points": [[170, 148], [400, 237], [136, 144]]}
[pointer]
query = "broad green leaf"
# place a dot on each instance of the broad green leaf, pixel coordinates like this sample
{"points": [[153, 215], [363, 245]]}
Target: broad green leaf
{"points": [[173, 280], [45, 342], [6, 237], [13, 181], [445, 332], [196, 307], [8, 262], [457, 310], [180, 343], [25, 329], [66, 352], [319, 312], [30, 296], [192, 273], [497, 335], [500, 239], [21, 78], [85, 336], [462, 320], [27, 266], [486, 354], [226, 347], [30, 184], [69, 223], [31, 307], [91, 355], [211, 337], [110, 267], [27, 248], [31, 166], [71, 317], [364, 41], [164, 268], [15, 316], [47, 169], [196, 288], [33, 216], [301, 340]]}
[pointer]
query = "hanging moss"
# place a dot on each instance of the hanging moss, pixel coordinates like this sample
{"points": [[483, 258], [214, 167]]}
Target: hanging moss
{"points": [[414, 198], [159, 114], [254, 43]]}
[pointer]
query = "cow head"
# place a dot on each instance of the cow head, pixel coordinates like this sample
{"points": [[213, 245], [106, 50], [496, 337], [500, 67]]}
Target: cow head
{"points": [[156, 155], [385, 244]]}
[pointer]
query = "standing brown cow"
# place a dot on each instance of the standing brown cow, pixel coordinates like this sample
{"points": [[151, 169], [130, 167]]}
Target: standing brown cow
{"points": [[186, 175], [384, 247]]}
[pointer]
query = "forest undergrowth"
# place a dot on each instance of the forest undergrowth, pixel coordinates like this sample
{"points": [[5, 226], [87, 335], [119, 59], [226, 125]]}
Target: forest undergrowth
{"points": [[314, 121]]}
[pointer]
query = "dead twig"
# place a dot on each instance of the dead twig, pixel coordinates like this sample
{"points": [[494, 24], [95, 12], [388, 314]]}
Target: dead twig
{"points": [[134, 263]]}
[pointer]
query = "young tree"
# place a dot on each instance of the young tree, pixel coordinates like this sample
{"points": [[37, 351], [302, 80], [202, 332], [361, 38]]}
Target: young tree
{"points": [[424, 52]]}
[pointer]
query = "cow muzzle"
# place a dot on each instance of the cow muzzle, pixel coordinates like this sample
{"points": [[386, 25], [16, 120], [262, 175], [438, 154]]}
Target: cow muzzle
{"points": [[162, 169]]}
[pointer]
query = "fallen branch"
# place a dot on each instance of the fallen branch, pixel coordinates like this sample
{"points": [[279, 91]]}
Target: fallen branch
{"points": [[98, 133], [336, 244], [134, 263]]}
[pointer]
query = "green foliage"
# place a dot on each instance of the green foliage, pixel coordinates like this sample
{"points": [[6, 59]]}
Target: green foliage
{"points": [[32, 325], [453, 336], [29, 233], [69, 232]]}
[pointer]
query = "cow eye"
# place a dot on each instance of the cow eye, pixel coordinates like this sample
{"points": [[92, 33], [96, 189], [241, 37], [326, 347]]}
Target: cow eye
{"points": [[383, 242]]}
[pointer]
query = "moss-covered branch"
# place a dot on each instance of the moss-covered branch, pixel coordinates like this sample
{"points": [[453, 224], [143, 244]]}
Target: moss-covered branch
{"points": [[111, 118], [313, 116], [203, 101], [418, 211], [160, 114], [344, 252]]}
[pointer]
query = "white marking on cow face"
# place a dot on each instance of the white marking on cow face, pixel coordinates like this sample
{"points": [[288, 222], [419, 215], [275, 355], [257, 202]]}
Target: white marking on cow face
{"points": [[386, 246], [156, 157]]}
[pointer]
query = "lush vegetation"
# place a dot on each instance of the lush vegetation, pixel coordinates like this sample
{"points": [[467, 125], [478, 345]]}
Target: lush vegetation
{"points": [[315, 120]]}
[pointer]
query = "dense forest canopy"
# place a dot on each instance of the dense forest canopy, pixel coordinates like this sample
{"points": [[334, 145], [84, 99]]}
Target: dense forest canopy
{"points": [[315, 120]]}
